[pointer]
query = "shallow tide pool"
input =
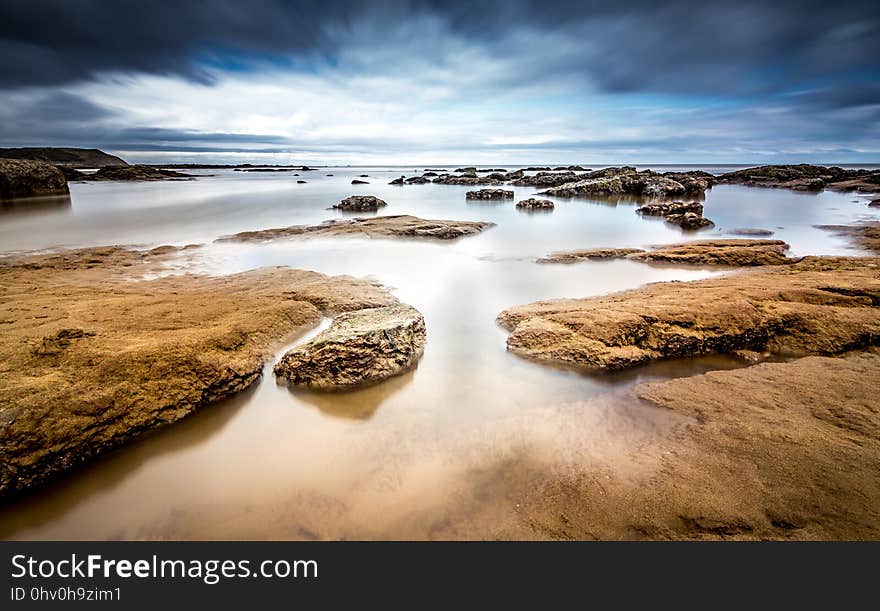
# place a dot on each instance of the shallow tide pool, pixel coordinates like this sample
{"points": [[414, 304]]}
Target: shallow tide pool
{"points": [[448, 450]]}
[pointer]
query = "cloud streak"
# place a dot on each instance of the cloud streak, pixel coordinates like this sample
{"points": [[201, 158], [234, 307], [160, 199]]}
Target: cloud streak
{"points": [[446, 81]]}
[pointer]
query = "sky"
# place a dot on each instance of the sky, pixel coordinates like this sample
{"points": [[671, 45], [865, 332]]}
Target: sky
{"points": [[431, 82]]}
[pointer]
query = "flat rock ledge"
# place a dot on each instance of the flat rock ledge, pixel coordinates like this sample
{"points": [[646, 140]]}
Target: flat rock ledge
{"points": [[129, 173], [535, 204], [489, 194], [819, 305], [93, 360], [359, 348], [360, 203], [399, 226], [806, 177], [627, 180], [739, 253], [863, 235]]}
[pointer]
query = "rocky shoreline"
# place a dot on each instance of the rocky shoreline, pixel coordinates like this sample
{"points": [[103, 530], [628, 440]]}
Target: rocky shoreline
{"points": [[92, 360]]}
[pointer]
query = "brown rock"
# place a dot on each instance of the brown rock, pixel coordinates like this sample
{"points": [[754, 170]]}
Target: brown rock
{"points": [[575, 256], [92, 359], [689, 220], [664, 209], [864, 235], [806, 177], [773, 451], [22, 178], [489, 194], [467, 179], [400, 226], [740, 253], [816, 306], [359, 348], [360, 203], [619, 181]]}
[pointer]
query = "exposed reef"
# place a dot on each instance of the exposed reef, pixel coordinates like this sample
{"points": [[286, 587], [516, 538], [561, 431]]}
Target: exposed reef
{"points": [[400, 226]]}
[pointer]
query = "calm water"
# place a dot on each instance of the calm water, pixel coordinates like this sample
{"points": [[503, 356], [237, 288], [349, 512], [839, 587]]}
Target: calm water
{"points": [[448, 450]]}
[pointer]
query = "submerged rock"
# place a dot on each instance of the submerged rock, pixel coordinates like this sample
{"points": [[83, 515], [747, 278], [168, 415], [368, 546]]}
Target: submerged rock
{"points": [[24, 178], [488, 194], [741, 253], [417, 180], [359, 348], [360, 203], [535, 204], [750, 231], [863, 235], [576, 256], [359, 182]]}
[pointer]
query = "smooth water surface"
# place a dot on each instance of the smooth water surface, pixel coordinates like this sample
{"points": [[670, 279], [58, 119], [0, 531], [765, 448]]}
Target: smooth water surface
{"points": [[448, 450]]}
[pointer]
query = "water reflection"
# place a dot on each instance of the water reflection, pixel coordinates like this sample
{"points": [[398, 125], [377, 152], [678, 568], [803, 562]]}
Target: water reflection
{"points": [[34, 206], [443, 451], [360, 404]]}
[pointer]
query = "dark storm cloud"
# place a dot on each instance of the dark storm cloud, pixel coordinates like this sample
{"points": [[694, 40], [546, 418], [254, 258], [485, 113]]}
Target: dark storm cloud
{"points": [[697, 47]]}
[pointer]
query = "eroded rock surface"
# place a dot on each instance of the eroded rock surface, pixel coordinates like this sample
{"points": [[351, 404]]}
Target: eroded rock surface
{"points": [[575, 256], [736, 252], [91, 359], [864, 235], [359, 348], [399, 226], [134, 173], [360, 203], [488, 194], [689, 220], [620, 181], [25, 178], [816, 306], [466, 179], [664, 209]]}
